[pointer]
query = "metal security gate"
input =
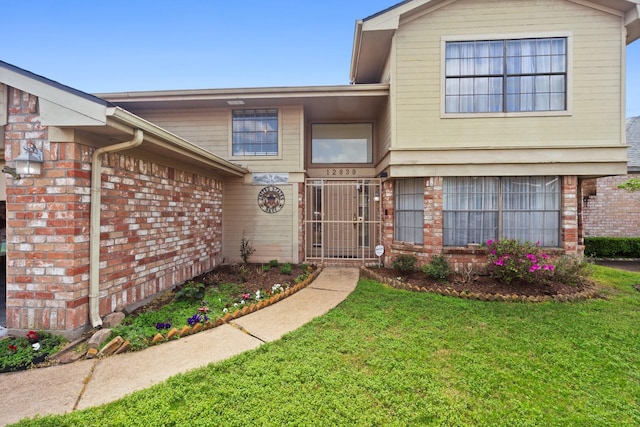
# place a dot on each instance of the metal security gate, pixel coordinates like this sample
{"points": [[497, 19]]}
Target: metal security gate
{"points": [[342, 219]]}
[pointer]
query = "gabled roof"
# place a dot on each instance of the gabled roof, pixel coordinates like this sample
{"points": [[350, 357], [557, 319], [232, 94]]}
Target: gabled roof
{"points": [[103, 123], [633, 139], [373, 35]]}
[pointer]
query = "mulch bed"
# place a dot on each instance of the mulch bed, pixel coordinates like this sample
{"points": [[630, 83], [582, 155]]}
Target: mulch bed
{"points": [[483, 287]]}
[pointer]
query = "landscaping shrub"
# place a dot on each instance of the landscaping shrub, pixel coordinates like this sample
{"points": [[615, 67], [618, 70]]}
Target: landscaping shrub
{"points": [[612, 247], [438, 268], [246, 250], [285, 268], [191, 291], [404, 263], [510, 261]]}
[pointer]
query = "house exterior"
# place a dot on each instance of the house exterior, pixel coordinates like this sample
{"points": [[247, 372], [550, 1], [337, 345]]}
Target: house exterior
{"points": [[607, 210], [464, 121]]}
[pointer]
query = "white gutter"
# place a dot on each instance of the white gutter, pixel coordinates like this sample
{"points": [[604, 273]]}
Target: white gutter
{"points": [[94, 230]]}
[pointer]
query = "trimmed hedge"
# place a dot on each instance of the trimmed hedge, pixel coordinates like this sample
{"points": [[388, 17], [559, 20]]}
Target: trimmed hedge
{"points": [[612, 247]]}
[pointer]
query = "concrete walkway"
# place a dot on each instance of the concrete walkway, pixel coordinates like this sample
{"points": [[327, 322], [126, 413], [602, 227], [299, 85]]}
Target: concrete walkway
{"points": [[65, 388]]}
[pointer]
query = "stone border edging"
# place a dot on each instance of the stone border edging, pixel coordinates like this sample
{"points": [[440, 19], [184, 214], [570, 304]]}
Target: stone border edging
{"points": [[228, 317], [117, 345], [578, 296]]}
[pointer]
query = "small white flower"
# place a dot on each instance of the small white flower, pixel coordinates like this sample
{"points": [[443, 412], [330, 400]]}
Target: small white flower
{"points": [[242, 302], [257, 294], [235, 304], [36, 346], [224, 310]]}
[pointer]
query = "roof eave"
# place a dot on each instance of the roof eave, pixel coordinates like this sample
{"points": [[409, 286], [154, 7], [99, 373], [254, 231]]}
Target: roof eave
{"points": [[170, 142], [632, 22]]}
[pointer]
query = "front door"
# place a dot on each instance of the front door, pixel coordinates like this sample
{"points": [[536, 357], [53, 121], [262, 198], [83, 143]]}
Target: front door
{"points": [[343, 218]]}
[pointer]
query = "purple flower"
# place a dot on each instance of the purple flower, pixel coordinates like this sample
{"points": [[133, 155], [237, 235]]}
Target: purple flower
{"points": [[549, 267], [489, 242], [196, 318], [534, 268]]}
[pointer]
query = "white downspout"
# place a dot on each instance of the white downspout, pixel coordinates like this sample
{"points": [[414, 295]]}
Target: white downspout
{"points": [[94, 230]]}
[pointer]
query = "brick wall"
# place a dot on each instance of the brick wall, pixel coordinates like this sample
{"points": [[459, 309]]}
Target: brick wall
{"points": [[608, 211], [159, 227], [473, 256]]}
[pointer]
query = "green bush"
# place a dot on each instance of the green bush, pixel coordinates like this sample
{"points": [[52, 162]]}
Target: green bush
{"points": [[191, 291], [285, 268], [438, 268], [510, 261], [404, 263], [570, 270], [273, 263], [612, 247]]}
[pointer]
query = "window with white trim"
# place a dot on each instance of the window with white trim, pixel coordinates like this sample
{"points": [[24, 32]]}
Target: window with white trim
{"points": [[518, 75], [477, 209], [255, 132], [409, 210]]}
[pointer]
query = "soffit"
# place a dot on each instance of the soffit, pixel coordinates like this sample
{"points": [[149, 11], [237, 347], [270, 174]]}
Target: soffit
{"points": [[75, 116], [320, 103]]}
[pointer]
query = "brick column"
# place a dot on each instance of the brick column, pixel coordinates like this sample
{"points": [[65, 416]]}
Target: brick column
{"points": [[569, 207], [47, 227]]}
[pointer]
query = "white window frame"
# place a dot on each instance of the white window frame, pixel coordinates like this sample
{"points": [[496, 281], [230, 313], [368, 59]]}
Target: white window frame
{"points": [[511, 36], [504, 204], [400, 228], [252, 156]]}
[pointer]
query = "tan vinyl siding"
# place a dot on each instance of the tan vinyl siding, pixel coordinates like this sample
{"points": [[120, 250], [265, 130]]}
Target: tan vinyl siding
{"points": [[272, 235], [210, 129], [595, 113]]}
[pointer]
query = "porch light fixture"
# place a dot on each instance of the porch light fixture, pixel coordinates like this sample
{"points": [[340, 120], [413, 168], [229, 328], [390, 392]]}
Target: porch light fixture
{"points": [[29, 162]]}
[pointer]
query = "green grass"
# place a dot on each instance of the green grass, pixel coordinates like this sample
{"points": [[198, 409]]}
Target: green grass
{"points": [[392, 357]]}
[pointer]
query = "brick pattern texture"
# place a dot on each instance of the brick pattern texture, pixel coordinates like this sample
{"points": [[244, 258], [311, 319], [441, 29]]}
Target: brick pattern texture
{"points": [[608, 211], [159, 227], [471, 257]]}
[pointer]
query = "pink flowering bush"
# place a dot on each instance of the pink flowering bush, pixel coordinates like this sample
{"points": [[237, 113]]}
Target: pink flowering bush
{"points": [[512, 262]]}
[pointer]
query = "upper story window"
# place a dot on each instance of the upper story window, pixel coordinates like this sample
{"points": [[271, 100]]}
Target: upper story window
{"points": [[516, 75], [342, 143], [255, 132]]}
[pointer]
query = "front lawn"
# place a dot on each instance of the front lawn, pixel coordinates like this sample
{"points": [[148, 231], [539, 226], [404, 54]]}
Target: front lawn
{"points": [[394, 357]]}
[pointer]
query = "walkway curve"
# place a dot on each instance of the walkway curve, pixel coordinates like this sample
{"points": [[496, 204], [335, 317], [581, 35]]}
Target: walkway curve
{"points": [[83, 384]]}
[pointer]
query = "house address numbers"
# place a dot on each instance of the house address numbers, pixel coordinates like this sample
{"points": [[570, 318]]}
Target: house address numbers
{"points": [[342, 172]]}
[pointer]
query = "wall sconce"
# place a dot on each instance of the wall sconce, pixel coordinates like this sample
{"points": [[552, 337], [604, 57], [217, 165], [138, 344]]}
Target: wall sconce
{"points": [[29, 162], [376, 197]]}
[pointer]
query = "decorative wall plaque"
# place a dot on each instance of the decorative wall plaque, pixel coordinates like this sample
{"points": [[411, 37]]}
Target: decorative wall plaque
{"points": [[271, 199]]}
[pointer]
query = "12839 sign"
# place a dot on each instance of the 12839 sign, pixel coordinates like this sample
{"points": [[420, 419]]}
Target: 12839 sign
{"points": [[341, 172]]}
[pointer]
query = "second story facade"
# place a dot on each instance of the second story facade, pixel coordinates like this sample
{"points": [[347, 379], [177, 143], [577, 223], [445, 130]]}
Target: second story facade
{"points": [[465, 121]]}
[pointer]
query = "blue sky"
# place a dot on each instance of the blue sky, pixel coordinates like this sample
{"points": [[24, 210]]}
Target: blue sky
{"points": [[134, 45]]}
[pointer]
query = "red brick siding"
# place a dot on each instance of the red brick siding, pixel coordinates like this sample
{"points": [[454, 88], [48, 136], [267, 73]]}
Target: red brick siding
{"points": [[609, 211], [465, 257], [159, 227]]}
